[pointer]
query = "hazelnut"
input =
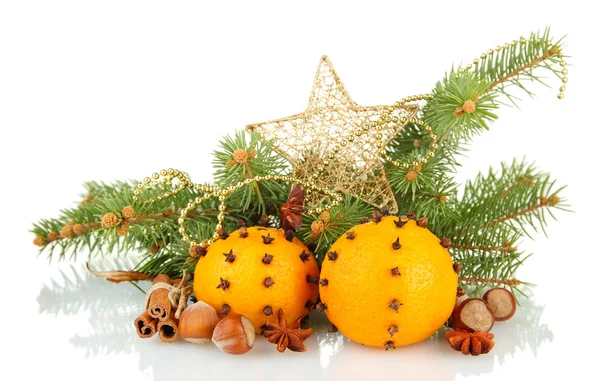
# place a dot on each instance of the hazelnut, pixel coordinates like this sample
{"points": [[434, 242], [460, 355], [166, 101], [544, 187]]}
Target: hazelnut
{"points": [[197, 323], [234, 334]]}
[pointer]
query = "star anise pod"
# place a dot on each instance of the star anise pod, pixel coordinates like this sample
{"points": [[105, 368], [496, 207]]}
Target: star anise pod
{"points": [[291, 211], [475, 343], [285, 336]]}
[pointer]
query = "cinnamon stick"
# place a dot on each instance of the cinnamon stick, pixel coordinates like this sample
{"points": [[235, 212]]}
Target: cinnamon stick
{"points": [[168, 330], [145, 325], [159, 306]]}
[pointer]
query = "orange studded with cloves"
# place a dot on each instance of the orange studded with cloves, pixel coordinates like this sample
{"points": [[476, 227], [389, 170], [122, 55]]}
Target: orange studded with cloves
{"points": [[256, 271], [388, 283]]}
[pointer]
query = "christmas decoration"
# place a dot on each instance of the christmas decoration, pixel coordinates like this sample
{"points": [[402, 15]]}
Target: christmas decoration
{"points": [[388, 283], [333, 143], [340, 160]]}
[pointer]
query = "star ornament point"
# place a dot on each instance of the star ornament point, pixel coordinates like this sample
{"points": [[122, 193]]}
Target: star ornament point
{"points": [[336, 143]]}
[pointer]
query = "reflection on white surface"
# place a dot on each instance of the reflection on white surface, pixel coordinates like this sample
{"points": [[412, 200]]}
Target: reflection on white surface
{"points": [[110, 310]]}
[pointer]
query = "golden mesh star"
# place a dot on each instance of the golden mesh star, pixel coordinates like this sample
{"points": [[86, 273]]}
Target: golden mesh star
{"points": [[335, 142]]}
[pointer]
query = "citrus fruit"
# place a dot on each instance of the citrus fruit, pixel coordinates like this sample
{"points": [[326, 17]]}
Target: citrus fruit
{"points": [[388, 283], [256, 271]]}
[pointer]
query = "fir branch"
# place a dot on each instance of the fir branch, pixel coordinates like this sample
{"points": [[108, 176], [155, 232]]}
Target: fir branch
{"points": [[445, 111], [243, 156], [509, 65]]}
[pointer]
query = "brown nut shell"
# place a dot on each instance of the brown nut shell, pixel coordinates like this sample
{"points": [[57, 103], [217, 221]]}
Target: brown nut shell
{"points": [[197, 323], [502, 302], [234, 334], [473, 315]]}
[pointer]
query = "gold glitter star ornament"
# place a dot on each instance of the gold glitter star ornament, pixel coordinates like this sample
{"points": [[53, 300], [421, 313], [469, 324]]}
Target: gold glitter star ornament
{"points": [[336, 143]]}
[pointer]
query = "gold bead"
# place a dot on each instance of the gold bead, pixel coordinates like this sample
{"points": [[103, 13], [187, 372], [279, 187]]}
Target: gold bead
{"points": [[221, 198], [491, 52], [378, 136], [181, 221], [320, 169], [350, 138], [327, 207], [163, 172], [335, 202], [170, 171], [209, 242], [345, 143], [476, 61], [221, 218], [396, 163], [318, 210], [222, 208], [561, 95], [215, 235], [424, 160], [405, 165], [219, 226], [147, 180], [562, 89], [565, 71], [331, 156], [498, 48], [268, 177], [428, 128], [563, 63], [186, 238], [325, 162], [565, 80], [181, 230], [155, 175], [358, 132]]}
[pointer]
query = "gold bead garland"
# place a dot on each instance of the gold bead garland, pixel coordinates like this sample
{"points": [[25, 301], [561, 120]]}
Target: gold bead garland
{"points": [[166, 176], [213, 191], [222, 193]]}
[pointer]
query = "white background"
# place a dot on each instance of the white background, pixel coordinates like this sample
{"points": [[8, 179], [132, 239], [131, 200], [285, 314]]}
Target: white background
{"points": [[105, 90]]}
